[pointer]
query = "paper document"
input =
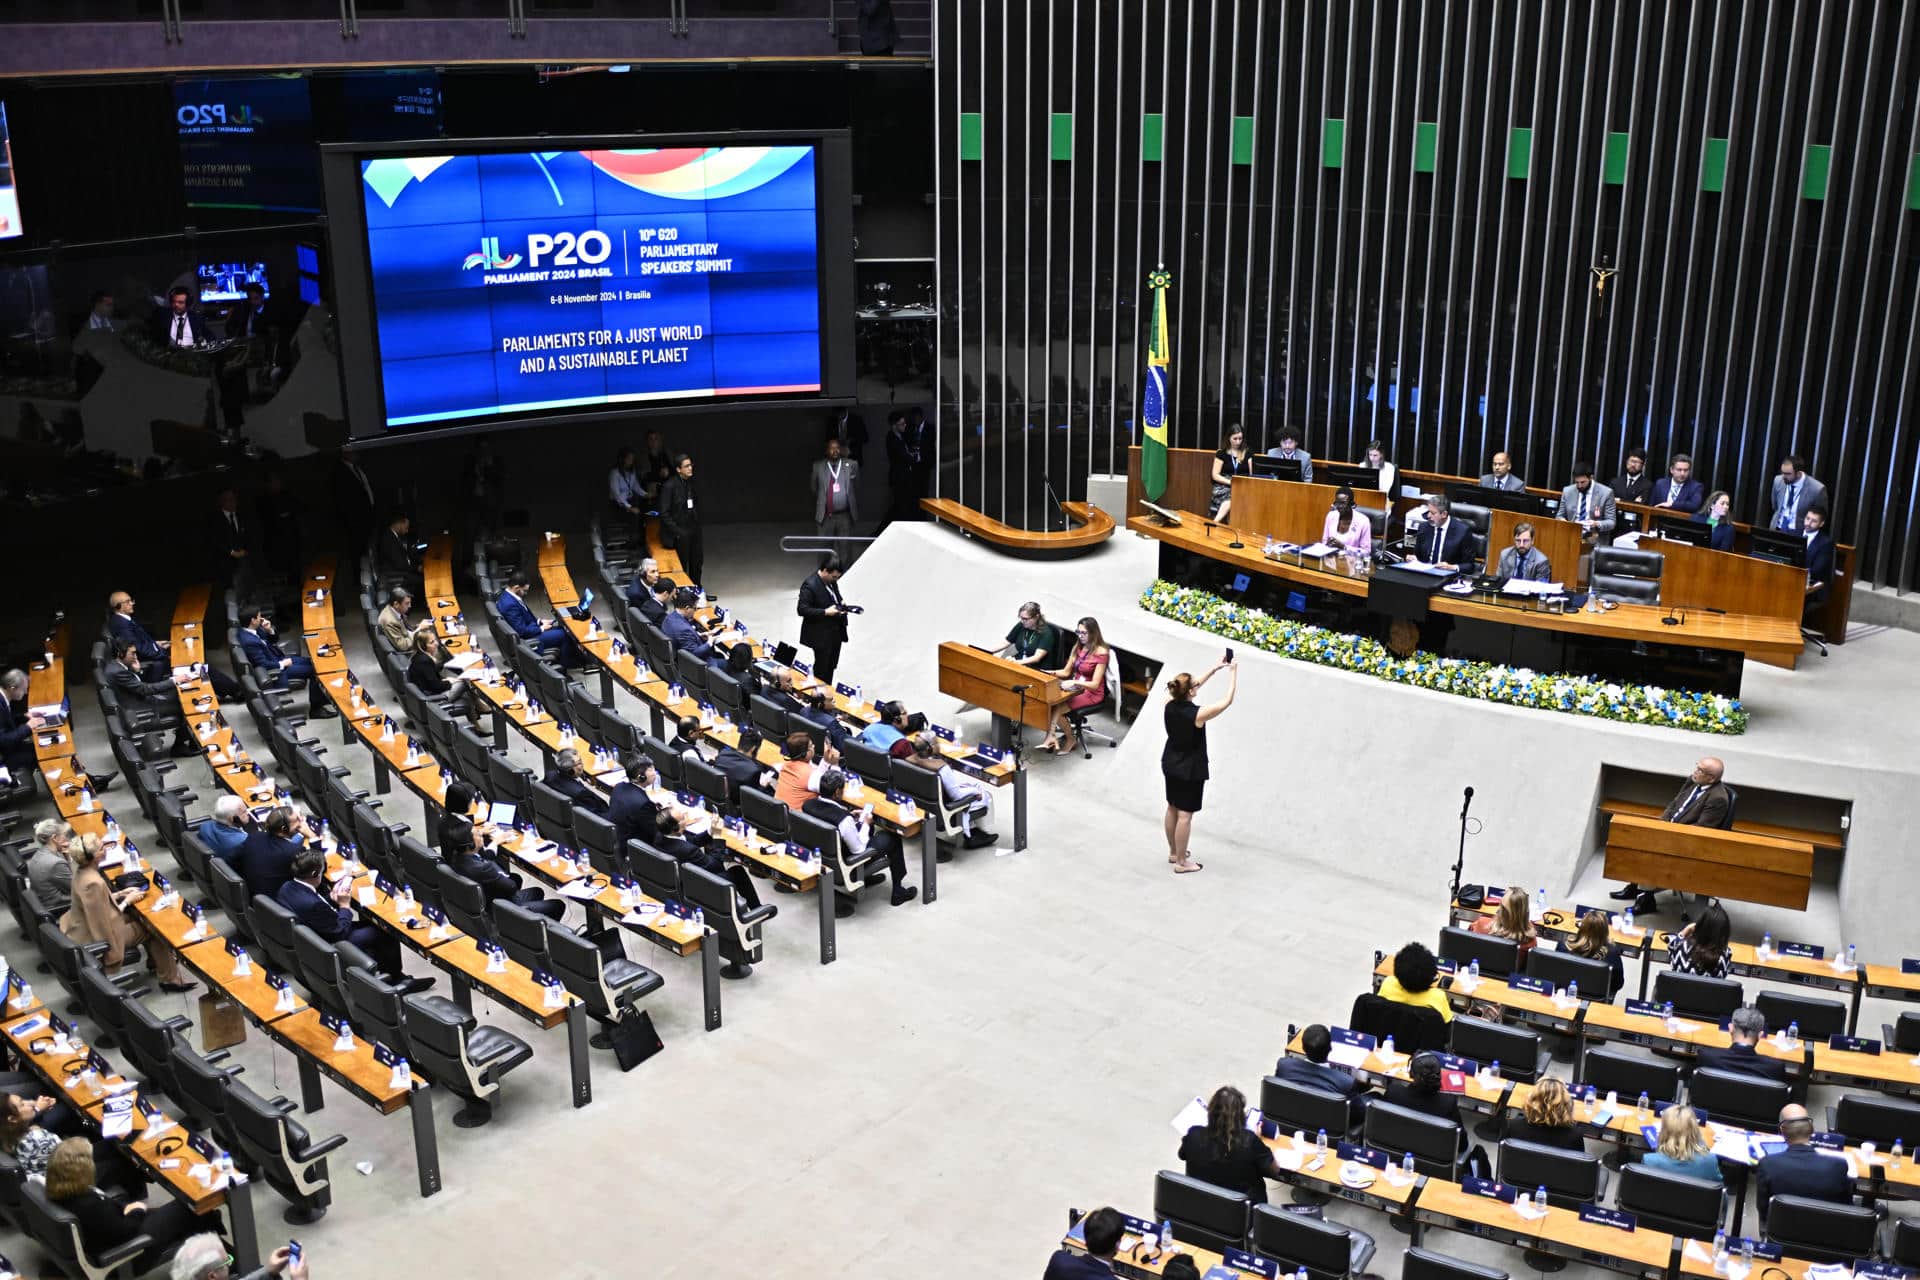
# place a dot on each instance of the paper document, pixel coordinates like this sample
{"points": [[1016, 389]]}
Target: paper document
{"points": [[1528, 587], [465, 660], [1194, 1113], [1319, 549], [1348, 1055], [1421, 566], [582, 888]]}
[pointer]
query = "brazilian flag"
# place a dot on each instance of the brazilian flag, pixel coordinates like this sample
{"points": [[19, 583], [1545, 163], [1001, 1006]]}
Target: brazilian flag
{"points": [[1153, 412]]}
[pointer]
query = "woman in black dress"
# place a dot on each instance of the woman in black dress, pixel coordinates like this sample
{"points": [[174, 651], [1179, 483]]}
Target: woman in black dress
{"points": [[1224, 1152], [1184, 760]]}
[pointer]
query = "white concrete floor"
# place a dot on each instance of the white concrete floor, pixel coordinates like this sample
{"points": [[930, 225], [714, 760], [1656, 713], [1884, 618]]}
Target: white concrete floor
{"points": [[936, 1100]]}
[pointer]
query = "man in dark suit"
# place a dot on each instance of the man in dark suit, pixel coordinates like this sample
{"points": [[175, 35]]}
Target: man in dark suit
{"points": [[266, 857], [640, 587], [1802, 1169], [520, 620], [1745, 1028], [180, 324], [683, 632], [161, 697], [1441, 540], [823, 616], [1101, 1230], [902, 468], [463, 855], [1702, 801], [1315, 1072], [678, 846], [680, 518], [229, 541], [396, 561], [17, 726], [1819, 557], [324, 910], [273, 668], [569, 777], [632, 812], [1678, 490], [1634, 483], [352, 504], [658, 602]]}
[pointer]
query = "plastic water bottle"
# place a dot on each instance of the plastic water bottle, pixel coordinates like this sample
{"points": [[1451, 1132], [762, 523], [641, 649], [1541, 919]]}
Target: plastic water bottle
{"points": [[1766, 946], [1493, 1072], [1853, 956], [1720, 1253], [1746, 1253], [1300, 1274], [700, 920], [1473, 970], [1320, 1144], [1666, 1013], [1573, 992], [1406, 1167], [1895, 1156], [1626, 919], [1166, 1234], [1540, 901], [1644, 1104], [1793, 1032], [1540, 1198], [1386, 1047]]}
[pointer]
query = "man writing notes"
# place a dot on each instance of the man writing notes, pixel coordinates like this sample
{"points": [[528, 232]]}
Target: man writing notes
{"points": [[1702, 801], [1795, 493], [1521, 561]]}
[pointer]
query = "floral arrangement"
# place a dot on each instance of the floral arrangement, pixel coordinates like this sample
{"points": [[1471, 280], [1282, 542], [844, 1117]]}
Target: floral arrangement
{"points": [[1488, 681]]}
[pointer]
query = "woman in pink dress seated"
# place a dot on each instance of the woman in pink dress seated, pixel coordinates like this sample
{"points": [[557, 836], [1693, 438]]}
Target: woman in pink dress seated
{"points": [[1084, 677], [1346, 527]]}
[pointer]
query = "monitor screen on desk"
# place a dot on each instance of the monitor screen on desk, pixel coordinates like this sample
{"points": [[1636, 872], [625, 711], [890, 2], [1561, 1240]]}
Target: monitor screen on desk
{"points": [[1355, 477], [1474, 495], [1279, 468], [1781, 546], [1697, 532]]}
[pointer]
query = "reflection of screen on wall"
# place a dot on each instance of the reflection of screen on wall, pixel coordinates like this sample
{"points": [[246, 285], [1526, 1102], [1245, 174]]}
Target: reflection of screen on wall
{"points": [[247, 143], [9, 193], [529, 282]]}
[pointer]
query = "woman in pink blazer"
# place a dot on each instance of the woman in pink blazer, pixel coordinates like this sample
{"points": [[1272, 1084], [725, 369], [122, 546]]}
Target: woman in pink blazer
{"points": [[1347, 527]]}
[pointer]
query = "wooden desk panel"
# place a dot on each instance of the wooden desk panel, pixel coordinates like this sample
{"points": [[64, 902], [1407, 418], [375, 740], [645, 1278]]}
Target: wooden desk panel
{"points": [[1189, 481], [985, 681], [1290, 510], [1725, 864], [1702, 578], [1096, 529]]}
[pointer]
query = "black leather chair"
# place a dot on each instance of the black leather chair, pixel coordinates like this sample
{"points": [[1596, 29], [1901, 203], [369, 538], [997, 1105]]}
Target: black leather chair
{"points": [[1903, 1035], [670, 763], [769, 717], [1697, 996], [323, 969], [870, 762], [68, 958], [1498, 957], [765, 814], [601, 841], [470, 749], [691, 672], [462, 1055], [658, 873], [58, 1232], [230, 892], [1479, 520], [200, 1087], [709, 784], [378, 1014], [1562, 968], [280, 1148], [465, 903], [1425, 1264], [738, 927], [608, 987], [1819, 1018], [420, 871], [1630, 575], [106, 1004], [1617, 1071], [1753, 1102], [1519, 1052], [552, 813], [1903, 1242], [148, 1044], [376, 837], [195, 859], [1413, 1026], [1201, 1213], [1438, 1145], [508, 783], [621, 734], [1302, 1108], [1572, 1178], [521, 934], [1673, 1202], [1327, 1250], [1872, 1117], [273, 927], [1820, 1230]]}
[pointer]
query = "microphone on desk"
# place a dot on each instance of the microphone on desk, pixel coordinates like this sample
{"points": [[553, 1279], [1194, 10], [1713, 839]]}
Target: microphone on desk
{"points": [[1019, 688]]}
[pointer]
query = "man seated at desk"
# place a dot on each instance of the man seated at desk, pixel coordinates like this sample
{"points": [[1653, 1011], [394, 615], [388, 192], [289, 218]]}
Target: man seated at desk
{"points": [[1587, 504], [1291, 451], [1702, 801], [1678, 490], [1802, 1169], [1521, 561], [1819, 557], [1502, 477], [1441, 540]]}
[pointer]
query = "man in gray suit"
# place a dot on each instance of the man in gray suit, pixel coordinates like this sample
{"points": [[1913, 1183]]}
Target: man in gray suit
{"points": [[1290, 450], [1521, 561], [1794, 494], [1502, 477], [834, 507], [1588, 504]]}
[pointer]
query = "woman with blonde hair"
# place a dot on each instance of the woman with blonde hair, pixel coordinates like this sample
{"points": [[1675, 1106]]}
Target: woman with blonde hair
{"points": [[109, 1219], [1593, 938], [1512, 920], [1682, 1146], [1547, 1117], [99, 914]]}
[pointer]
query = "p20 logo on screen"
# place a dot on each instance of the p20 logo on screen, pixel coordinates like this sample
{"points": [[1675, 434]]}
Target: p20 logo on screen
{"points": [[198, 115], [567, 250]]}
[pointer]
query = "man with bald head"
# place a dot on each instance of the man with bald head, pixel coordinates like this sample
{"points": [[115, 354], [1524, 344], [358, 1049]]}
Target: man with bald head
{"points": [[1502, 477], [1802, 1169], [1702, 801]]}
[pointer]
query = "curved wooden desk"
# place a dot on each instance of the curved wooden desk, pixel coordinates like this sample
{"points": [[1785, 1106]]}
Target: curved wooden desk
{"points": [[1098, 527]]}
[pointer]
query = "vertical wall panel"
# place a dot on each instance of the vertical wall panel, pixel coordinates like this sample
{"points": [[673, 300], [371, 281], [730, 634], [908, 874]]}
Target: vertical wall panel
{"points": [[1359, 250]]}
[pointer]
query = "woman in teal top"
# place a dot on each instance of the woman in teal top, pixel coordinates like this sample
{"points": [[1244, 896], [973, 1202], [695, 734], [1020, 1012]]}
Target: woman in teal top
{"points": [[1683, 1146]]}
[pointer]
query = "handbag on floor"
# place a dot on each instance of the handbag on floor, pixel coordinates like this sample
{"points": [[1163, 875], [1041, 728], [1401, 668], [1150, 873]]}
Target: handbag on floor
{"points": [[634, 1039]]}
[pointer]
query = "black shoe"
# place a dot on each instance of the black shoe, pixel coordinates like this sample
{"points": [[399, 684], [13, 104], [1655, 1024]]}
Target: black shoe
{"points": [[101, 781], [979, 840], [325, 711], [1625, 893], [943, 854], [905, 893], [176, 988], [1646, 904], [781, 886], [414, 986]]}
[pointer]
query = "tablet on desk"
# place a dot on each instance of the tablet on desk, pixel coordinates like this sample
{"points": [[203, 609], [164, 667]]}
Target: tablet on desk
{"points": [[500, 814]]}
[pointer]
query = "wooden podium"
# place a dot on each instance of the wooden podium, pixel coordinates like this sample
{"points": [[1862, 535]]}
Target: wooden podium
{"points": [[985, 680], [1725, 864]]}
